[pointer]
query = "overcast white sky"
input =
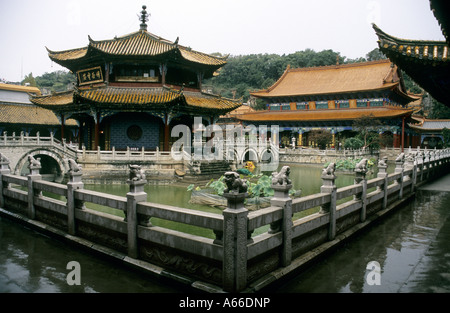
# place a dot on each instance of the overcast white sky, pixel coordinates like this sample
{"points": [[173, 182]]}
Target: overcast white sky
{"points": [[227, 26]]}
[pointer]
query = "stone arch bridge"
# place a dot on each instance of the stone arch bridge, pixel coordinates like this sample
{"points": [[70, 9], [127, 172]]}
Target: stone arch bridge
{"points": [[54, 155], [51, 151]]}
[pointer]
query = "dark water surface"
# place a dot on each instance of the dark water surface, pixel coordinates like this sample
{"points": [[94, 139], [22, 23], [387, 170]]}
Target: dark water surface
{"points": [[31, 262], [412, 247]]}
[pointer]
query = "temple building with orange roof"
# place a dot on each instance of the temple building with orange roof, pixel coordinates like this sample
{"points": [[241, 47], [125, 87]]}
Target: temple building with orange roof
{"points": [[18, 114], [332, 98], [132, 90]]}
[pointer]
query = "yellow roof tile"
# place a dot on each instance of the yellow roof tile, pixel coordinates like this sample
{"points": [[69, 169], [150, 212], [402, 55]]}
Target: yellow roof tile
{"points": [[29, 114], [56, 99], [142, 97], [122, 95], [28, 89], [324, 115], [335, 79], [140, 43]]}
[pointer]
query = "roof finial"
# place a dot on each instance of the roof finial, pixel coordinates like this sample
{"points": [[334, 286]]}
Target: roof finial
{"points": [[144, 18]]}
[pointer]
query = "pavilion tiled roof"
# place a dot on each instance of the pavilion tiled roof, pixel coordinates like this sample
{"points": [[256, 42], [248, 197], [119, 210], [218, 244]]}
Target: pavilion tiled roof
{"points": [[423, 50], [425, 61], [127, 95], [140, 44], [123, 98], [29, 115], [324, 115], [335, 79], [427, 125], [209, 101], [440, 9], [55, 99]]}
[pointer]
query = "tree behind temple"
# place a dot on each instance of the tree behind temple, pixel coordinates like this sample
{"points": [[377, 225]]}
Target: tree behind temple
{"points": [[29, 79], [367, 127]]}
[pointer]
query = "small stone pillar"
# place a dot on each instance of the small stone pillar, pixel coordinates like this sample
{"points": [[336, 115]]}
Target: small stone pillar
{"points": [[4, 164], [382, 167], [75, 183], [137, 182], [432, 163], [360, 178], [410, 164], [329, 186], [382, 173], [281, 184], [426, 163], [235, 234], [4, 169], [399, 161], [419, 162], [34, 166]]}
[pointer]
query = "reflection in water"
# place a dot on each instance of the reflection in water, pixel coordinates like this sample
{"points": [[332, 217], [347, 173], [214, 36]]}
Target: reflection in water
{"points": [[411, 245], [33, 263]]}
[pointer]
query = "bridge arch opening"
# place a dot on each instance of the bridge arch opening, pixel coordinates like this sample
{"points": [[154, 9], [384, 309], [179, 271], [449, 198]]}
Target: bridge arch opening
{"points": [[52, 167], [267, 156], [250, 155]]}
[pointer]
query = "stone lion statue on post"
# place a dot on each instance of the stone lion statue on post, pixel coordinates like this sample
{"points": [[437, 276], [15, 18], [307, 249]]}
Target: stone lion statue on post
{"points": [[136, 173], [34, 163], [282, 178], [234, 183], [330, 169], [361, 166]]}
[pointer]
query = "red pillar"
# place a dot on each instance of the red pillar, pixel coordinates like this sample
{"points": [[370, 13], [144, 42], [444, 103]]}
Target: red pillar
{"points": [[166, 133]]}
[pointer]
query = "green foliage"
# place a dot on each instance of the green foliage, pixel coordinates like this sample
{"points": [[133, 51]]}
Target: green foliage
{"points": [[217, 185], [439, 111], [446, 135], [353, 143], [29, 79], [321, 137], [245, 73], [375, 54], [349, 163], [366, 126], [55, 81], [258, 186]]}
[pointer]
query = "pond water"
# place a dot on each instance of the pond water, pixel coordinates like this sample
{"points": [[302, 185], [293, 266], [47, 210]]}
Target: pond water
{"points": [[304, 177]]}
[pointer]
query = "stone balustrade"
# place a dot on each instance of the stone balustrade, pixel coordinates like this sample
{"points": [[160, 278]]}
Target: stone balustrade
{"points": [[247, 250]]}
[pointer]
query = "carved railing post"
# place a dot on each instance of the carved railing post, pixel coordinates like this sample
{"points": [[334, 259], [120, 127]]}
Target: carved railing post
{"points": [[410, 164], [281, 184], [4, 169], [235, 234], [426, 163], [433, 163], [75, 183], [399, 161], [419, 162], [329, 186], [137, 182], [34, 166], [360, 178], [382, 173]]}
